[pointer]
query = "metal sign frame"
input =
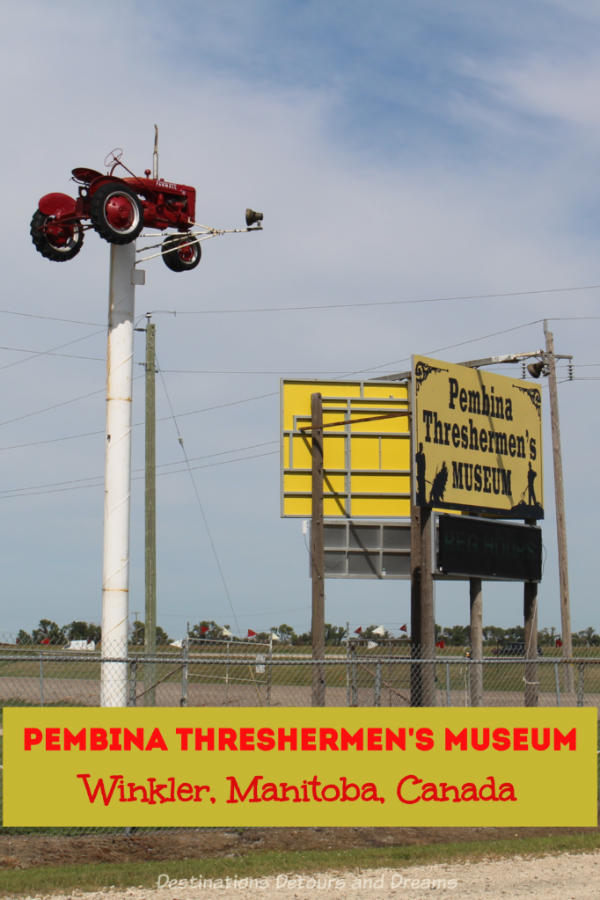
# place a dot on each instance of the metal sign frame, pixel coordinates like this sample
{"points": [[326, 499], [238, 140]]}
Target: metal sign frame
{"points": [[363, 549], [366, 442]]}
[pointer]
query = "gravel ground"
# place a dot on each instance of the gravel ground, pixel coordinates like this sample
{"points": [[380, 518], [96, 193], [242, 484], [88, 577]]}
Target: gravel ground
{"points": [[564, 877]]}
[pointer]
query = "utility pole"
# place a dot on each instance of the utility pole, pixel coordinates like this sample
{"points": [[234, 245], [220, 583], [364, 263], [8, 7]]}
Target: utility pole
{"points": [[559, 497], [150, 513]]}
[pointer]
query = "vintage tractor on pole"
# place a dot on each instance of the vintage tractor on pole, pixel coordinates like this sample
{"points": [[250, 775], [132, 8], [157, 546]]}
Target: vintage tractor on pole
{"points": [[118, 208]]}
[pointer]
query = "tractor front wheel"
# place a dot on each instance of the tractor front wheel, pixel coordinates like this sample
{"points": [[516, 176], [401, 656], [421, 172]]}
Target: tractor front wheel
{"points": [[181, 253], [55, 241], [116, 213]]}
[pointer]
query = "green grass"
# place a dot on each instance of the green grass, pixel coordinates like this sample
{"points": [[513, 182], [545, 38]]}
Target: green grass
{"points": [[84, 877]]}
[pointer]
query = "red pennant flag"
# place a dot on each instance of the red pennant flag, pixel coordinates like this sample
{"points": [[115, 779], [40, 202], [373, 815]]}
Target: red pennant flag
{"points": [[204, 629], [358, 630], [251, 633], [403, 628]]}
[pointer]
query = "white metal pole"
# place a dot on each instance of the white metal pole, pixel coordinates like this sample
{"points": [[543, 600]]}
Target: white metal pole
{"points": [[117, 483]]}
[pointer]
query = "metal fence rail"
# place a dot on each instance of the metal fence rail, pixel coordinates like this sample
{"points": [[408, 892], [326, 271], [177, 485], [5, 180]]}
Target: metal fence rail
{"points": [[53, 676]]}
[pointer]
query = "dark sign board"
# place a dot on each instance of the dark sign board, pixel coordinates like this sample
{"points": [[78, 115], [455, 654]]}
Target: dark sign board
{"points": [[480, 548]]}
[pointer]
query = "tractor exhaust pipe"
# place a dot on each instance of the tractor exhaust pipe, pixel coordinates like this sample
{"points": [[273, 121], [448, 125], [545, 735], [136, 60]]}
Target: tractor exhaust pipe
{"points": [[155, 154]]}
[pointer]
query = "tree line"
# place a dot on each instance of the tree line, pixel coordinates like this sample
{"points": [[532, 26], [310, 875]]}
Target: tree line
{"points": [[49, 632]]}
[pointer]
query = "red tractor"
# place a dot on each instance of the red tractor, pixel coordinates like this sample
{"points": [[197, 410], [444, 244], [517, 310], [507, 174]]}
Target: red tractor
{"points": [[118, 208]]}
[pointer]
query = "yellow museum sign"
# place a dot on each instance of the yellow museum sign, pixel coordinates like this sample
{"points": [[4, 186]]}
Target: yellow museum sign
{"points": [[477, 440]]}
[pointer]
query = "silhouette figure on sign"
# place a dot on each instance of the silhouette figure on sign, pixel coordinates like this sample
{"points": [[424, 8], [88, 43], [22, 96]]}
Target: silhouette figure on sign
{"points": [[531, 476], [438, 488], [420, 461], [529, 507]]}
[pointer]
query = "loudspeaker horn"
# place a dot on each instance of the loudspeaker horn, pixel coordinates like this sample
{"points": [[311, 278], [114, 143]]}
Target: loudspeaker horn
{"points": [[535, 369], [252, 217]]}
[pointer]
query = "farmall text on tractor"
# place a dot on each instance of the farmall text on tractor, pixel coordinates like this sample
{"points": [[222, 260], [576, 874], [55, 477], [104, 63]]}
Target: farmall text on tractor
{"points": [[118, 208]]}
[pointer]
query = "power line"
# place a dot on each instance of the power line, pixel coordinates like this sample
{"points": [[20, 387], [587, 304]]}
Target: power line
{"points": [[325, 306], [70, 437], [277, 372], [224, 462], [199, 501], [57, 440], [366, 303], [193, 412], [51, 353], [174, 312], [219, 453], [573, 318], [58, 487], [13, 312], [483, 337], [365, 370], [38, 412], [271, 393], [37, 353]]}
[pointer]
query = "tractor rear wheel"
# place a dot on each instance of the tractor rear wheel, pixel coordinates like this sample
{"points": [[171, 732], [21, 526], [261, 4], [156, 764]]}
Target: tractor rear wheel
{"points": [[53, 240], [181, 253], [116, 213]]}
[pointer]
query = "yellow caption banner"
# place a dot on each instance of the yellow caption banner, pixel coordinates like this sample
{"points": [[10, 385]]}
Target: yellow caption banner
{"points": [[300, 767]]}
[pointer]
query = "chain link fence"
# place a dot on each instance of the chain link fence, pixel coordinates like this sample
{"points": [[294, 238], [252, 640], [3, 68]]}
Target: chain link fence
{"points": [[237, 673]]}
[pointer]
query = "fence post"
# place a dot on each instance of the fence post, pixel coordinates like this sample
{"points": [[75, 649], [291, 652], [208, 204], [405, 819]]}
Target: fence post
{"points": [[41, 678], [269, 671], [227, 673], [354, 680], [448, 703], [348, 668], [184, 672], [530, 615], [377, 700], [476, 667], [557, 683], [132, 682], [580, 680]]}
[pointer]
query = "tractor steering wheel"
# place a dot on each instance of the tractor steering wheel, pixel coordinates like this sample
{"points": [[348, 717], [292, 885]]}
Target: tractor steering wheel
{"points": [[113, 158]]}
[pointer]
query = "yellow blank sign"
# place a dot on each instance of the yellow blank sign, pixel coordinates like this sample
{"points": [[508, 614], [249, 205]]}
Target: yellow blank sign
{"points": [[366, 448]]}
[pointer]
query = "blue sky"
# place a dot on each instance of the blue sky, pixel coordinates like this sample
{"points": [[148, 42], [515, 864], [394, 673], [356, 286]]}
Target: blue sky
{"points": [[400, 152]]}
